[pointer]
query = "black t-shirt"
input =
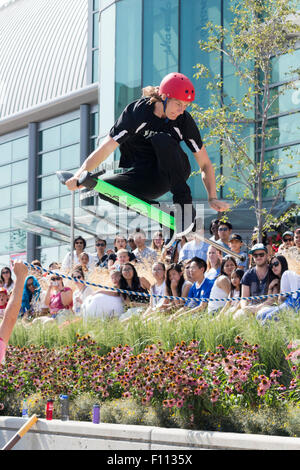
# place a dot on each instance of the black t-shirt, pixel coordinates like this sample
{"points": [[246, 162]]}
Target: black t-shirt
{"points": [[257, 287], [138, 123]]}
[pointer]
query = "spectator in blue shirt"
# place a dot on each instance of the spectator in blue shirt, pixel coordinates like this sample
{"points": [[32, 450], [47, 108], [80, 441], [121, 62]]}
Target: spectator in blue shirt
{"points": [[194, 248], [224, 232], [235, 243], [200, 289]]}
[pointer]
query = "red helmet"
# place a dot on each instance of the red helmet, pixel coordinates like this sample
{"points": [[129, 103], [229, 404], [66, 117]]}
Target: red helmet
{"points": [[178, 86]]}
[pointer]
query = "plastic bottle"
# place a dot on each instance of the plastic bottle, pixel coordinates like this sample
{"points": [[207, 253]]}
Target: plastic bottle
{"points": [[96, 414], [49, 410], [77, 308], [25, 409], [64, 401]]}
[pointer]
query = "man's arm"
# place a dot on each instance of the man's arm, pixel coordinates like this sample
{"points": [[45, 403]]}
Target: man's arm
{"points": [[108, 146], [209, 180]]}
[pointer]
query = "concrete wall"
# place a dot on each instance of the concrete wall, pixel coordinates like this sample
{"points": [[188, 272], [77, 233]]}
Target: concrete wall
{"points": [[75, 435]]}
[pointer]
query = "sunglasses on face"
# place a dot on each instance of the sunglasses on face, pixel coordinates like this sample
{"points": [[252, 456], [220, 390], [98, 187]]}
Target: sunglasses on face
{"points": [[100, 244], [274, 264], [55, 278], [287, 239], [223, 229], [5, 272], [258, 255]]}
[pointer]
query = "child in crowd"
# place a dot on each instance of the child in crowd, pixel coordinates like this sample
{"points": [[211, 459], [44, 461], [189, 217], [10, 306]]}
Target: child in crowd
{"points": [[235, 244]]}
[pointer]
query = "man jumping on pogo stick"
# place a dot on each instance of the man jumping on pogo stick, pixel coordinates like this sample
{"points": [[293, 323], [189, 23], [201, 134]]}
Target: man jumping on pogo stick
{"points": [[149, 132]]}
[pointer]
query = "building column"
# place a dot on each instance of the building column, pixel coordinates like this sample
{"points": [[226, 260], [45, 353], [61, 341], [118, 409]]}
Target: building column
{"points": [[32, 186], [84, 132]]}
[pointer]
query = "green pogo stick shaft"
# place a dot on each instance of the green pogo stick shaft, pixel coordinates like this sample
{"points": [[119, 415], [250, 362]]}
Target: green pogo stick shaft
{"points": [[136, 204]]}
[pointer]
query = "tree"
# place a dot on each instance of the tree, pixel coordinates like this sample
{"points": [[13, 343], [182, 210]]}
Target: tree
{"points": [[260, 30]]}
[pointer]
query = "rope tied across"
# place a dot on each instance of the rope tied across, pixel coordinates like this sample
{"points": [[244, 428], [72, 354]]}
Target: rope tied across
{"points": [[144, 294]]}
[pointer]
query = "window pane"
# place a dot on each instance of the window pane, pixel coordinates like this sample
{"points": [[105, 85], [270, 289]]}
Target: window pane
{"points": [[95, 30], [18, 213], [51, 204], [48, 255], [18, 239], [95, 60], [50, 186], [285, 129], [70, 132], [128, 53], [160, 53], [5, 197], [283, 66], [292, 192], [19, 171], [191, 31], [5, 219], [49, 162], [284, 161], [20, 148], [49, 139], [4, 242], [5, 172], [5, 152], [94, 124], [70, 157], [288, 99], [4, 260], [19, 194]]}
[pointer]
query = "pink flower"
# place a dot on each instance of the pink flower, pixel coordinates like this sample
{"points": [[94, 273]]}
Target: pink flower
{"points": [[275, 373]]}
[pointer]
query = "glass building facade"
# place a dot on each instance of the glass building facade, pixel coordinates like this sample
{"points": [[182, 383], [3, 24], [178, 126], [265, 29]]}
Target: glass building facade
{"points": [[130, 44]]}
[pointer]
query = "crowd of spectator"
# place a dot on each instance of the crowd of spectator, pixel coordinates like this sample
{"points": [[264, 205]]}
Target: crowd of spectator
{"points": [[190, 277]]}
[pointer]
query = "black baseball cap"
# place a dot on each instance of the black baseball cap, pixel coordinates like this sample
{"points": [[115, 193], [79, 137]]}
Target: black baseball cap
{"points": [[235, 236]]}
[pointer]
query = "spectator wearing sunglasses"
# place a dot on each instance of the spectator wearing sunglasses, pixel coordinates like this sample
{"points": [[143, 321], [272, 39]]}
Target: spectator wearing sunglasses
{"points": [[58, 297], [100, 257], [257, 281], [82, 291], [289, 283], [7, 279], [79, 247], [31, 296], [287, 241], [224, 232]]}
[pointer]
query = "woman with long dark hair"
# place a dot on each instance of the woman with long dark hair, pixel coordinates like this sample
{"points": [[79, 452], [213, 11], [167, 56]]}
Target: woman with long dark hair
{"points": [[7, 279], [176, 286], [131, 281], [222, 285], [289, 282]]}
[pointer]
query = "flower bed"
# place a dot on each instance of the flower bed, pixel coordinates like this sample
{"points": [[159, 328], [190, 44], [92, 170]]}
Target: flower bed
{"points": [[186, 386]]}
